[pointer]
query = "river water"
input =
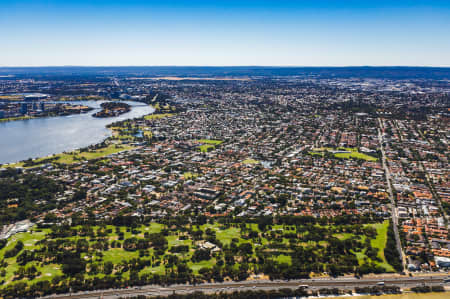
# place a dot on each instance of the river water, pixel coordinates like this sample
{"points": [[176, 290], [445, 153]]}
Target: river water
{"points": [[40, 137]]}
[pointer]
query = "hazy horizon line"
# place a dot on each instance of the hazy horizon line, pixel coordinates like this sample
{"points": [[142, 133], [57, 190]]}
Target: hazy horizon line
{"points": [[229, 66]]}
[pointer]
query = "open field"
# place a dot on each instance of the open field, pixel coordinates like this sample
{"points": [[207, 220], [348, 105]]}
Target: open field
{"points": [[353, 153], [210, 141], [94, 154], [250, 161], [15, 118], [189, 175], [75, 156], [158, 116], [380, 243], [206, 147], [208, 144]]}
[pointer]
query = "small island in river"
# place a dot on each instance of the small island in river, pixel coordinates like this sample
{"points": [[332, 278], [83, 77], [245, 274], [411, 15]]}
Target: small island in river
{"points": [[110, 109]]}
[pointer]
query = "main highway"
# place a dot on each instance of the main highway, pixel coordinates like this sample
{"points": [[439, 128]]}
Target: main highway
{"points": [[258, 285]]}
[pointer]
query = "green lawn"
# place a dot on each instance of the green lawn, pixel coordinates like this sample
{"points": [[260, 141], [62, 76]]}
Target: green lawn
{"points": [[29, 239], [283, 259], [153, 228], [210, 141], [175, 241], [76, 156], [380, 242], [118, 254], [250, 161], [49, 271], [203, 264], [206, 147], [154, 269], [322, 149], [343, 236], [225, 236], [15, 118], [353, 153], [111, 149], [158, 116], [208, 144], [190, 175]]}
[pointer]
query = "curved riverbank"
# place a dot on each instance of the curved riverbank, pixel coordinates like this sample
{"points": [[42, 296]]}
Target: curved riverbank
{"points": [[42, 137]]}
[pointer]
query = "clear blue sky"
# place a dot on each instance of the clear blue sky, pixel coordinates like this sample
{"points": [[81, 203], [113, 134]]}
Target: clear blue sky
{"points": [[193, 32]]}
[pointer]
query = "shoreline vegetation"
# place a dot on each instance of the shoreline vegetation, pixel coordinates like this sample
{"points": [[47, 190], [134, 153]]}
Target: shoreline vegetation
{"points": [[118, 142], [91, 152], [65, 110], [111, 109], [8, 119]]}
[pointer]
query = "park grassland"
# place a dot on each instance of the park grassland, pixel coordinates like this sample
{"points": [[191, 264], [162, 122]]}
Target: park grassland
{"points": [[77, 156], [208, 144], [189, 175], [250, 161], [206, 148], [353, 153], [2, 120], [237, 233], [210, 141], [94, 154], [158, 116], [29, 240], [380, 243]]}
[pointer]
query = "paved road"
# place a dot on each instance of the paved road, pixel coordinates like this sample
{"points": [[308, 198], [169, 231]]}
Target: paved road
{"points": [[153, 290], [391, 195], [344, 283], [433, 192]]}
